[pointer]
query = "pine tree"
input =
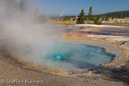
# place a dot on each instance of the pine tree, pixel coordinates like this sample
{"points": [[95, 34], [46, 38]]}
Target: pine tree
{"points": [[90, 17], [81, 18]]}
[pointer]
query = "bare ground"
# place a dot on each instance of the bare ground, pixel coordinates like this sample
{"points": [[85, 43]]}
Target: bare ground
{"points": [[13, 70]]}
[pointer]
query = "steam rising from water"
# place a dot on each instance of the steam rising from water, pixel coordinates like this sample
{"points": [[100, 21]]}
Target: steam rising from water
{"points": [[22, 28]]}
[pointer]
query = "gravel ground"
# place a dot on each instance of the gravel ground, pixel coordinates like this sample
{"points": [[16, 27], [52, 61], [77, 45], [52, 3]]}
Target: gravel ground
{"points": [[12, 73]]}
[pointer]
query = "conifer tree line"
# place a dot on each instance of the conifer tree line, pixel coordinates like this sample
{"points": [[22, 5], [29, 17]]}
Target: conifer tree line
{"points": [[81, 17]]}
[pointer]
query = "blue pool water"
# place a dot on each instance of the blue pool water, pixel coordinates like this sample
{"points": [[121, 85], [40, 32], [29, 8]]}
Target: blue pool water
{"points": [[66, 56]]}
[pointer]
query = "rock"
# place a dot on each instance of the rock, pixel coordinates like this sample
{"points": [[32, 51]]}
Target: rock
{"points": [[127, 43]]}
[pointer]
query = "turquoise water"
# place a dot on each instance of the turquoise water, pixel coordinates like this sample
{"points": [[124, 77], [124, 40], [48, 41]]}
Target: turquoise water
{"points": [[66, 56]]}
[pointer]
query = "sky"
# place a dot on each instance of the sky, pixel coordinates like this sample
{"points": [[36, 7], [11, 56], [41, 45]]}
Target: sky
{"points": [[74, 7]]}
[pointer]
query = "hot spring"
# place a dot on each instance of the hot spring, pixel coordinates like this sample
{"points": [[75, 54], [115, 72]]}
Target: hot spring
{"points": [[72, 58], [34, 40]]}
